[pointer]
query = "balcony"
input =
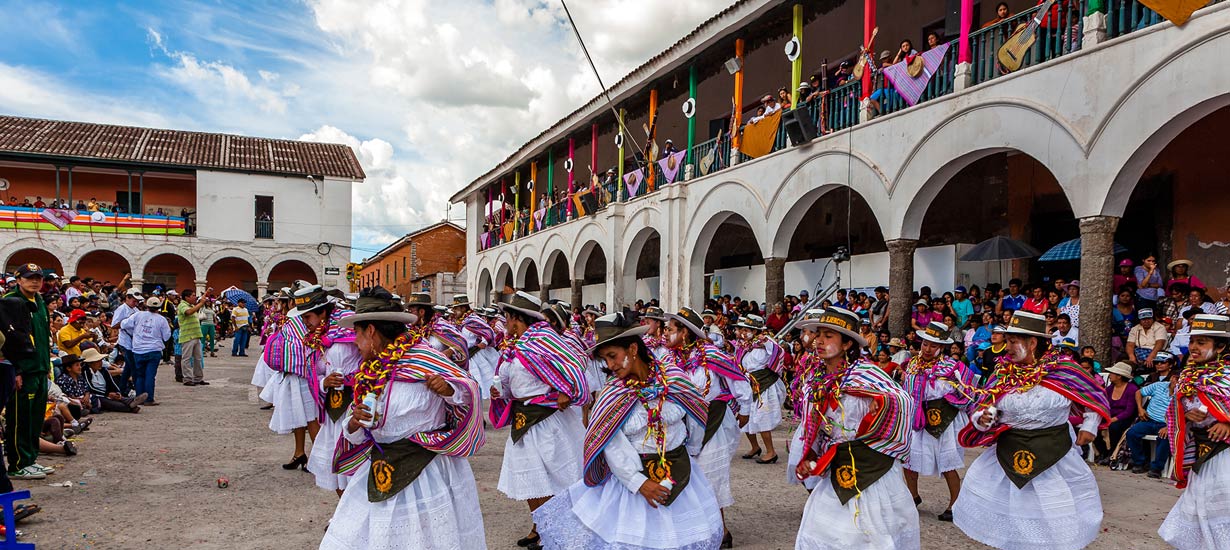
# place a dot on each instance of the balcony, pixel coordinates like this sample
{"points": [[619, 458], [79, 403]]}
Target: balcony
{"points": [[76, 221], [264, 229]]}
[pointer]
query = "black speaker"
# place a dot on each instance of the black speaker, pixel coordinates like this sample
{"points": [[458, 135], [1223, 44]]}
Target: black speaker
{"points": [[952, 18], [799, 126]]}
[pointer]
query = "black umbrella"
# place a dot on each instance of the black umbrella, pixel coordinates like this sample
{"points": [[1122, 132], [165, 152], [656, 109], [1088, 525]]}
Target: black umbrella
{"points": [[999, 248]]}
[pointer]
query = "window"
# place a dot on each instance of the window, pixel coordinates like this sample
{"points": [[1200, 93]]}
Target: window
{"points": [[264, 217]]}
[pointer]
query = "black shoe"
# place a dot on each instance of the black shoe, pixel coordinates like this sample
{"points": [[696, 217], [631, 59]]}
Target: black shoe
{"points": [[767, 461], [751, 455], [190, 383], [526, 541], [1155, 474], [728, 541], [267, 407], [533, 546], [946, 515], [917, 501], [296, 462], [179, 379], [1139, 469], [1104, 461], [202, 383]]}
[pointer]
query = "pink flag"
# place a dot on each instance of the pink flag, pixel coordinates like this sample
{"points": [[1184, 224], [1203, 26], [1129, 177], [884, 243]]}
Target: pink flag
{"points": [[57, 217], [538, 217], [671, 165], [633, 181], [912, 88]]}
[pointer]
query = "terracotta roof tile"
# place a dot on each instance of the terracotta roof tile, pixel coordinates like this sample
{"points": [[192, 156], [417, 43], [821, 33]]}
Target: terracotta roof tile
{"points": [[176, 148]]}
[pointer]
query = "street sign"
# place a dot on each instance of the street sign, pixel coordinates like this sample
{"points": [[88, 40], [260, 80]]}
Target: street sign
{"points": [[333, 271]]}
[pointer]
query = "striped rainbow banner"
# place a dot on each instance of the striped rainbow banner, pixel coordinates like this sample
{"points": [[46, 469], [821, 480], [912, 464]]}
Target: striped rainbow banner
{"points": [[31, 218]]}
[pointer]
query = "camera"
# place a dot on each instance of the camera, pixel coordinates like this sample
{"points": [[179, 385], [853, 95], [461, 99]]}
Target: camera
{"points": [[842, 254]]}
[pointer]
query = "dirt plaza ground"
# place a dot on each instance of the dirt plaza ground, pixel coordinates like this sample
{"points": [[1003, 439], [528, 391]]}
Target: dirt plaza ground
{"points": [[150, 481]]}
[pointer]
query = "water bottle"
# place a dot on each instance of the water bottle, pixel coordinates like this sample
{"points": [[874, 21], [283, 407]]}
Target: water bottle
{"points": [[369, 401]]}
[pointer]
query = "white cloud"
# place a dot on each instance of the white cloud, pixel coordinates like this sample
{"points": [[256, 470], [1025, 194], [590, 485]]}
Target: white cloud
{"points": [[221, 85], [28, 92]]}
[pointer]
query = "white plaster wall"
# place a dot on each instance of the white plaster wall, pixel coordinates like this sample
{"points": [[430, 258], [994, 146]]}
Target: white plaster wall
{"points": [[226, 208], [647, 289]]}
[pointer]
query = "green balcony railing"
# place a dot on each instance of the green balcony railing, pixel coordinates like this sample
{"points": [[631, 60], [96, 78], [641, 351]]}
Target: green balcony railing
{"points": [[1059, 33]]}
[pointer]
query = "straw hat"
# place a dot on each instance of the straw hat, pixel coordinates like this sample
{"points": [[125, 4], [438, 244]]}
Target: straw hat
{"points": [[522, 302], [935, 332], [614, 326], [914, 66], [1122, 369], [378, 304], [1170, 266], [1028, 324]]}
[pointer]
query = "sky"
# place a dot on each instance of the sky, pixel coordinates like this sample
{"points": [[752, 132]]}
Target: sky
{"points": [[429, 94]]}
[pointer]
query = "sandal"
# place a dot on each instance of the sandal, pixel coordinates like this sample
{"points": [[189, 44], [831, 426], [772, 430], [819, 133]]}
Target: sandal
{"points": [[23, 511]]}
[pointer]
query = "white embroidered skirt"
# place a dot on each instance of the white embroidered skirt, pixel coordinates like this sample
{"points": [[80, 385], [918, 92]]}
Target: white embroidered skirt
{"points": [[293, 406], [547, 460], [882, 517], [1201, 517]]}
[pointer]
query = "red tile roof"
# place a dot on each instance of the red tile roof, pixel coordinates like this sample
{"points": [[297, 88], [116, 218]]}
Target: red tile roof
{"points": [[175, 148]]}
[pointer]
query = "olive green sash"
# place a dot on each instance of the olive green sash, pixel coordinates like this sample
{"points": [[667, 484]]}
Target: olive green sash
{"points": [[765, 378], [524, 416], [678, 468], [939, 414], [1024, 454], [394, 466], [1206, 448], [715, 415], [337, 401], [855, 468]]}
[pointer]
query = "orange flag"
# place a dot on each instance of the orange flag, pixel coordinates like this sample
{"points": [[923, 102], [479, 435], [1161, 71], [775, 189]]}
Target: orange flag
{"points": [[758, 137], [1175, 11]]}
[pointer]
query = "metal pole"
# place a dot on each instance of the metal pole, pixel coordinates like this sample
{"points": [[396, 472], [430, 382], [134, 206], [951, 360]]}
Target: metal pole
{"points": [[141, 182], [57, 204], [70, 188]]}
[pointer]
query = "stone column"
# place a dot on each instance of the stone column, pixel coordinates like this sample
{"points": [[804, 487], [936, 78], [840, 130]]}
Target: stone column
{"points": [[1097, 270], [963, 77], [577, 298], [774, 281], [201, 285], [262, 288], [544, 293], [900, 284], [1094, 33]]}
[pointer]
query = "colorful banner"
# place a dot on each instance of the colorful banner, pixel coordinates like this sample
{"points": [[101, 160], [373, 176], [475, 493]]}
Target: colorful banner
{"points": [[912, 88], [758, 137], [1175, 11], [538, 215], [633, 181], [49, 219], [671, 165]]}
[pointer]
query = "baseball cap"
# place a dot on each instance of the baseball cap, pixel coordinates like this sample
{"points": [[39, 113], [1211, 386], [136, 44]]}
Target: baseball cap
{"points": [[960, 289], [76, 315], [1145, 313], [27, 271], [133, 292], [172, 293]]}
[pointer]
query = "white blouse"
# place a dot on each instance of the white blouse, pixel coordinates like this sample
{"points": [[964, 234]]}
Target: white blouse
{"points": [[518, 382], [411, 408], [1193, 403], [740, 389], [842, 422], [343, 358], [756, 359], [1039, 407], [623, 452]]}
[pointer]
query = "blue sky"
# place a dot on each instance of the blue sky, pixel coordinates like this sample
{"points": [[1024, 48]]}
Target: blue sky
{"points": [[429, 94]]}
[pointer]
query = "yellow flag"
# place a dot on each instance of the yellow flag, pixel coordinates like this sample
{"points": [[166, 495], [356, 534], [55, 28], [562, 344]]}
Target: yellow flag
{"points": [[1175, 11], [758, 137]]}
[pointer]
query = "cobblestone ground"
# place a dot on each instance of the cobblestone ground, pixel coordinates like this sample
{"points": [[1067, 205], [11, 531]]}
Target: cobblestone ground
{"points": [[150, 481]]}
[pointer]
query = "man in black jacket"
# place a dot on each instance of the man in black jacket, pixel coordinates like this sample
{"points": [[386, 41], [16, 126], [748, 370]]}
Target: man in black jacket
{"points": [[104, 392]]}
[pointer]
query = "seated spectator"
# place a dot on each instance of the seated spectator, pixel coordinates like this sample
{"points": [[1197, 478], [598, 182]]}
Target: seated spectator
{"points": [[669, 149], [1122, 396], [900, 354], [1088, 352], [1152, 422], [1182, 336], [905, 51], [71, 384], [886, 363], [105, 393], [1036, 303], [988, 359], [1197, 299], [933, 39], [38, 202], [1002, 13], [1064, 329], [956, 351], [92, 206], [1179, 274], [69, 338], [1146, 339], [842, 75]]}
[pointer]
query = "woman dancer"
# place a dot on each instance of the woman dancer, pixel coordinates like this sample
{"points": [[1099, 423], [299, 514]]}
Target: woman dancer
{"points": [[292, 354], [935, 381], [1198, 423], [1032, 489], [540, 377], [480, 343], [763, 359], [727, 394], [336, 367], [274, 319], [855, 437], [806, 365], [655, 319], [412, 486], [647, 423]]}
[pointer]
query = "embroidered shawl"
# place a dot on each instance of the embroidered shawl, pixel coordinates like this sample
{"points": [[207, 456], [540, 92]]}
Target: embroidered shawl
{"points": [[1210, 383], [918, 377], [551, 358]]}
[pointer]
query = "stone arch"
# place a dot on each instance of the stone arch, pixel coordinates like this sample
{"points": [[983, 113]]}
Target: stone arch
{"points": [[704, 233], [815, 177], [588, 235], [527, 275], [485, 286], [996, 127], [287, 271], [27, 255], [633, 248], [721, 200], [583, 255], [229, 271], [169, 270], [103, 264], [550, 271], [1154, 111], [293, 256], [503, 277], [237, 253]]}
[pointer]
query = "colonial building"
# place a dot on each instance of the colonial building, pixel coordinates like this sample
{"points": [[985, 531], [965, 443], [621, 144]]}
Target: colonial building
{"points": [[1112, 130], [431, 260], [178, 209]]}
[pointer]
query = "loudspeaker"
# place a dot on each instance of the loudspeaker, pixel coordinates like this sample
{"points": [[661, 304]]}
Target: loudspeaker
{"points": [[799, 126], [952, 18]]}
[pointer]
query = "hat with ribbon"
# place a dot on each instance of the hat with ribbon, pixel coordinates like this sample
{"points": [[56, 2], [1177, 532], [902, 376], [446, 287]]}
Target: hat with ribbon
{"points": [[615, 326], [810, 319], [522, 302], [935, 332], [654, 312], [460, 300], [421, 299], [377, 304], [840, 320], [1027, 324], [591, 310], [1210, 325], [897, 343], [308, 298], [754, 322], [690, 320], [91, 355], [558, 313]]}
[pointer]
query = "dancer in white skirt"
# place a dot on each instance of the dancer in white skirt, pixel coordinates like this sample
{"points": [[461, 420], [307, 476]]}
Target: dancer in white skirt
{"points": [[1198, 423], [655, 319], [539, 379], [763, 359], [293, 353], [855, 436], [594, 372], [806, 365], [1032, 489], [412, 487], [480, 342], [937, 384], [337, 367], [728, 396], [641, 490], [441, 333], [274, 319]]}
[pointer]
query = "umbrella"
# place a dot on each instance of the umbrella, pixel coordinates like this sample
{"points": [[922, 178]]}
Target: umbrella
{"points": [[1071, 250], [999, 248], [234, 296]]}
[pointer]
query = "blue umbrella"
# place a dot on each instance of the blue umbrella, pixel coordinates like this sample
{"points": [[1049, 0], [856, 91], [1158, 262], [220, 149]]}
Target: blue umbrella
{"points": [[1071, 250], [234, 296]]}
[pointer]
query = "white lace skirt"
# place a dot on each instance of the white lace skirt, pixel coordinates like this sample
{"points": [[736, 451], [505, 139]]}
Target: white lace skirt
{"points": [[882, 517], [293, 406], [609, 516], [438, 510], [793, 458], [1061, 508], [768, 412], [320, 461], [1201, 517], [547, 460], [262, 373], [932, 456], [714, 459], [482, 369]]}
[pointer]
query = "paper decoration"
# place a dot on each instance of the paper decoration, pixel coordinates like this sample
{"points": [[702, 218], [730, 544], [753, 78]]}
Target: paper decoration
{"points": [[633, 180], [910, 88], [670, 166]]}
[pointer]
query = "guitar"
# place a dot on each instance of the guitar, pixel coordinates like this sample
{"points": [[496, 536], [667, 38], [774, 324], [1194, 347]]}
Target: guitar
{"points": [[1012, 54], [864, 57]]}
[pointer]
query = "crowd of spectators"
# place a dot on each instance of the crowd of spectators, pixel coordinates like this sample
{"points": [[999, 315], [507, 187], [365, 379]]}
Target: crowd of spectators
{"points": [[93, 205]]}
